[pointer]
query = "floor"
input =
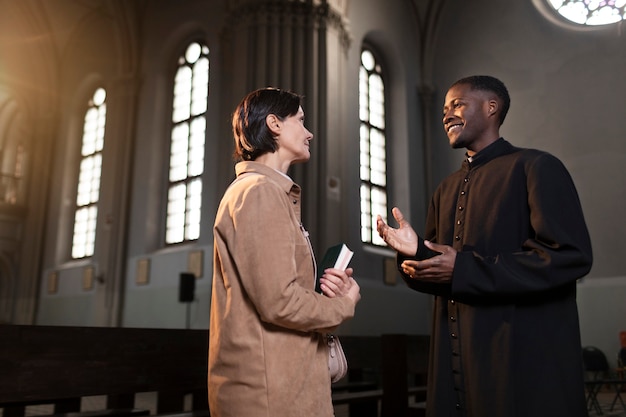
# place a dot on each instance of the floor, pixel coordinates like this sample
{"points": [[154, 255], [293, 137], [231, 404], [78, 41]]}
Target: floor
{"points": [[605, 399], [143, 400], [147, 400]]}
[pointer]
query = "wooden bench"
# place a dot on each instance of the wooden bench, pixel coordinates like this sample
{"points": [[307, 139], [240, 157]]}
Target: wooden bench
{"points": [[59, 365], [396, 363]]}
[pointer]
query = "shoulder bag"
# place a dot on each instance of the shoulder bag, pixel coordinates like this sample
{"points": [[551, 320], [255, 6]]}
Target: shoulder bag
{"points": [[337, 363]]}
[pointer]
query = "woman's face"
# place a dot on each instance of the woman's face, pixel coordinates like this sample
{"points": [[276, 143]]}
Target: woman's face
{"points": [[293, 139]]}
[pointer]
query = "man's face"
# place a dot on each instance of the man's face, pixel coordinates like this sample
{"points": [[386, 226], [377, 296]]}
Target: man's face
{"points": [[465, 116]]}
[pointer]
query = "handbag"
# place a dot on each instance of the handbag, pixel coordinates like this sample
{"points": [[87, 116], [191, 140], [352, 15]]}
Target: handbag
{"points": [[337, 362]]}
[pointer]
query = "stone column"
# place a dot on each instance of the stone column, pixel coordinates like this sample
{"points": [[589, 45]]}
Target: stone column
{"points": [[299, 46]]}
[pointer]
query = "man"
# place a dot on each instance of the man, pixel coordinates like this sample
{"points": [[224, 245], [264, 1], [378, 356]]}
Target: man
{"points": [[505, 242]]}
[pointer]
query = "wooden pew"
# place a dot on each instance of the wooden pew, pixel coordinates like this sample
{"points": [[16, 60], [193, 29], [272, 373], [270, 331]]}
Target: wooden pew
{"points": [[396, 364], [59, 365]]}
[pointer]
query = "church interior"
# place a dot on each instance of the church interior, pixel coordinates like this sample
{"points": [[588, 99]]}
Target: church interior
{"points": [[116, 142]]}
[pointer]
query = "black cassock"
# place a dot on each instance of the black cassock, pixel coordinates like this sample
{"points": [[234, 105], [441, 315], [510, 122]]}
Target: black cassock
{"points": [[505, 338]]}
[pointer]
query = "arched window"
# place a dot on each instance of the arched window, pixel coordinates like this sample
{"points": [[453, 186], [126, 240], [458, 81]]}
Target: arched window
{"points": [[372, 140], [184, 197], [585, 12], [13, 135], [88, 192]]}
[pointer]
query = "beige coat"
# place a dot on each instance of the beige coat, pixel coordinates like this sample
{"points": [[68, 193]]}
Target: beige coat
{"points": [[267, 356]]}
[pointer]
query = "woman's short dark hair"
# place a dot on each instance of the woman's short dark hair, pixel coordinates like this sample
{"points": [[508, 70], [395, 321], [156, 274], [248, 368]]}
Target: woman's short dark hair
{"points": [[492, 84], [250, 131]]}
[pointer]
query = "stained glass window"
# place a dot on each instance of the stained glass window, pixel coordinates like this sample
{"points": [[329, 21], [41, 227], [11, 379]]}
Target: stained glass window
{"points": [[590, 12]]}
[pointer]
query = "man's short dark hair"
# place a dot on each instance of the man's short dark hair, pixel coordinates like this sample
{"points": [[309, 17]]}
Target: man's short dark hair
{"points": [[492, 84], [250, 131]]}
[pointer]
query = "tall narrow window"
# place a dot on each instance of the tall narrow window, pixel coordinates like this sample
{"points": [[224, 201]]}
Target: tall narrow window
{"points": [[88, 191], [372, 147], [184, 197]]}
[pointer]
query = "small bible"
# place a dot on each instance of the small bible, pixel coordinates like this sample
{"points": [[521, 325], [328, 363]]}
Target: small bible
{"points": [[337, 257]]}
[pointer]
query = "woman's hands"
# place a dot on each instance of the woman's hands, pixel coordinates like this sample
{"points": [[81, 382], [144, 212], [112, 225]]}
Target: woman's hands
{"points": [[338, 283]]}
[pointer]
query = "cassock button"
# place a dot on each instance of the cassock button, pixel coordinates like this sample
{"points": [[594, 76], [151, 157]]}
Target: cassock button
{"points": [[453, 335], [462, 192], [458, 406], [465, 179], [460, 208], [452, 318], [459, 221], [457, 237], [452, 301]]}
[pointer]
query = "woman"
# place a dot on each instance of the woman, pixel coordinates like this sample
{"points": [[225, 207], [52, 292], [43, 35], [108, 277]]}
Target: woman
{"points": [[267, 352]]}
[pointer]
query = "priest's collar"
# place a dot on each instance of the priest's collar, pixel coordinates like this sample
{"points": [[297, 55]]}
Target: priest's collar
{"points": [[494, 149]]}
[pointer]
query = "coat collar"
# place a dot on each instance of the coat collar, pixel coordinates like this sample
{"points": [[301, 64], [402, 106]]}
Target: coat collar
{"points": [[282, 180]]}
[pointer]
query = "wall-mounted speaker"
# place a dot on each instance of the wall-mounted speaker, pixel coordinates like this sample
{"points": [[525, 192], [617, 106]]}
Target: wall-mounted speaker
{"points": [[187, 287]]}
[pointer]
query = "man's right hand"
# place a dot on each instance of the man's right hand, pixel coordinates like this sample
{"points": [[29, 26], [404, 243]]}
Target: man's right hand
{"points": [[402, 239]]}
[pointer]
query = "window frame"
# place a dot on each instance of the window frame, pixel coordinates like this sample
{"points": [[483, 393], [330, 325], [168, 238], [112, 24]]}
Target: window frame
{"points": [[550, 13], [90, 234], [374, 240], [190, 231]]}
